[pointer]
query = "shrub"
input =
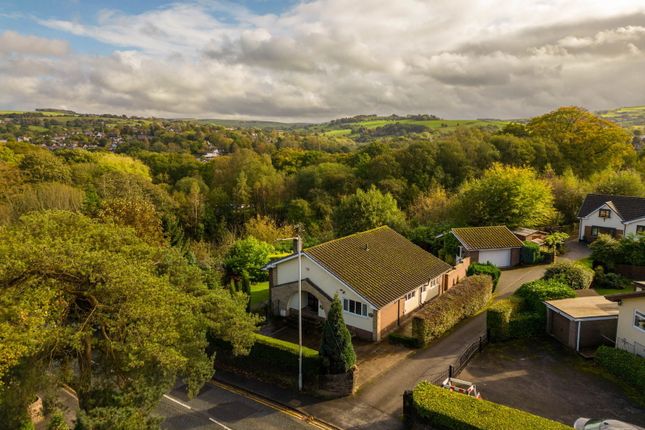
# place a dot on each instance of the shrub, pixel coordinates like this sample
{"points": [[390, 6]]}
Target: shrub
{"points": [[604, 250], [434, 407], [572, 274], [271, 359], [536, 292], [401, 339], [336, 350], [499, 316], [485, 269], [57, 421], [625, 365], [530, 253], [459, 302], [612, 281]]}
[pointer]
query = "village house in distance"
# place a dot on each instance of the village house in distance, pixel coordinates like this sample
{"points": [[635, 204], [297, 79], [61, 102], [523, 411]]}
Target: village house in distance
{"points": [[379, 276]]}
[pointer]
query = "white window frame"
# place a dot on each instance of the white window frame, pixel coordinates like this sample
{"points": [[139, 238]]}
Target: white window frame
{"points": [[409, 296], [640, 315], [363, 306]]}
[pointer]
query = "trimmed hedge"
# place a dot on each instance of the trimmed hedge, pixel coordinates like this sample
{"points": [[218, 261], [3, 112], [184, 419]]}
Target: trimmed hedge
{"points": [[526, 324], [442, 409], [572, 274], [523, 314], [530, 253], [499, 316], [485, 269], [536, 292], [401, 339], [625, 365], [459, 302], [273, 360]]}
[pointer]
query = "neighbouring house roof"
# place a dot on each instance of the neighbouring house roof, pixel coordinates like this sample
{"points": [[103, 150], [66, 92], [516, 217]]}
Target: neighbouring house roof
{"points": [[494, 237], [379, 264], [580, 308], [627, 207], [625, 296], [527, 231]]}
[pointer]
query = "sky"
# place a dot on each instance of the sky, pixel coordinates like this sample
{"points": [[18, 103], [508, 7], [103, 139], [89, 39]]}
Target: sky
{"points": [[316, 60]]}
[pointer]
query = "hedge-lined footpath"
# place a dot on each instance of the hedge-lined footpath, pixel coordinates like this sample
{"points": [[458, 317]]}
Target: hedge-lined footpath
{"points": [[430, 406], [524, 313], [461, 301], [272, 360], [629, 367]]}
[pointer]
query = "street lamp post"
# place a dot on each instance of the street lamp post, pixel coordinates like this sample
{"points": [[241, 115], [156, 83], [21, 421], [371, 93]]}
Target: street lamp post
{"points": [[297, 244]]}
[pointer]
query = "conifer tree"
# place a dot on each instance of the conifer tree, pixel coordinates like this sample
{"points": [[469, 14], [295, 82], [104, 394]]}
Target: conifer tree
{"points": [[336, 349]]}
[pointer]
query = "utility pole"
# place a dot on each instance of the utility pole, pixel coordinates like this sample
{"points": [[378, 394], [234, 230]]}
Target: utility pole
{"points": [[297, 248]]}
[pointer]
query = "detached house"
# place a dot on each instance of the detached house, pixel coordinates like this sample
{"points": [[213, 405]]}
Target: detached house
{"points": [[609, 214], [630, 335], [496, 245], [379, 276]]}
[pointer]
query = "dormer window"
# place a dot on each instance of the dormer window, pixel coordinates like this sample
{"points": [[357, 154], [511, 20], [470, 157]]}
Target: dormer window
{"points": [[604, 213]]}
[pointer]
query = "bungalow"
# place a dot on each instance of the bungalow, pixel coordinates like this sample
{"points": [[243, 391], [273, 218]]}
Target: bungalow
{"points": [[496, 245], [610, 214], [379, 276], [630, 334]]}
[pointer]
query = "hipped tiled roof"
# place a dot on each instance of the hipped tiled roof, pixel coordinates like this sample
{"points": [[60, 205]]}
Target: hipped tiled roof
{"points": [[379, 264]]}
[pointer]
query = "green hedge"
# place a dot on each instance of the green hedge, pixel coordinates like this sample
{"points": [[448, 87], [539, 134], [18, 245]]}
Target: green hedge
{"points": [[572, 274], [442, 409], [459, 302], [401, 339], [536, 292], [530, 253], [526, 324], [625, 365], [273, 360], [499, 316], [485, 269]]}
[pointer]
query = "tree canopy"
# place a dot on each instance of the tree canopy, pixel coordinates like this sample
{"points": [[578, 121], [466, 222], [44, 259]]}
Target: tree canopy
{"points": [[504, 195], [118, 318]]}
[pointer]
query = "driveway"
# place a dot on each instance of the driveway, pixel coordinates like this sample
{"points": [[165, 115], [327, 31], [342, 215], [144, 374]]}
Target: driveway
{"points": [[541, 377], [512, 279]]}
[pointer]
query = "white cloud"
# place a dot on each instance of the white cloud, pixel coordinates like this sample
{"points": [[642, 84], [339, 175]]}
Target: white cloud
{"points": [[327, 58], [12, 42]]}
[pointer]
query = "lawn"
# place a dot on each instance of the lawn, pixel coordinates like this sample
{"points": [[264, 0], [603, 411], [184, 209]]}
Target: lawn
{"points": [[610, 291], [259, 293]]}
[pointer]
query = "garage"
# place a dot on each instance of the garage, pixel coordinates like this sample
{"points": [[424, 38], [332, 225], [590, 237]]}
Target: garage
{"points": [[500, 258], [582, 323], [495, 244]]}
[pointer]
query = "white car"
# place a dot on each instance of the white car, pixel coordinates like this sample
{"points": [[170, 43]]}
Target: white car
{"points": [[596, 424]]}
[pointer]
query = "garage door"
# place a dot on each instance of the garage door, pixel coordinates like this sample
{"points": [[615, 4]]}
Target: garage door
{"points": [[500, 257]]}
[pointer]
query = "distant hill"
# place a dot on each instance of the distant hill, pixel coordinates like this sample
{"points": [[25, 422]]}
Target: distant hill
{"points": [[273, 125], [395, 125], [629, 117]]}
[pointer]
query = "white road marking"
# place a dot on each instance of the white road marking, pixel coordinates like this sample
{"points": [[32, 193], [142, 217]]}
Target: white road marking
{"points": [[190, 408], [219, 424], [178, 402]]}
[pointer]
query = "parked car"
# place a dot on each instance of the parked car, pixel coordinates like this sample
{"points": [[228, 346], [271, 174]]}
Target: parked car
{"points": [[461, 386], [598, 424]]}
